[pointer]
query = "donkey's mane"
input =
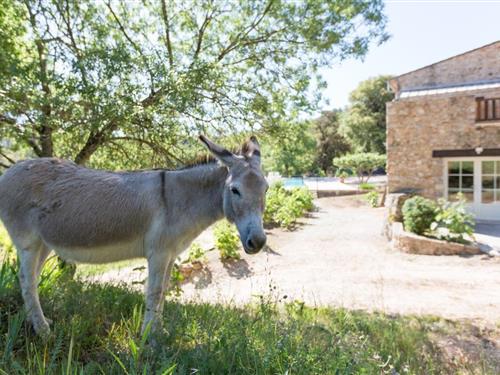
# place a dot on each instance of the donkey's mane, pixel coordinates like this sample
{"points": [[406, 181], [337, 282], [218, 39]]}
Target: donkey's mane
{"points": [[207, 158]]}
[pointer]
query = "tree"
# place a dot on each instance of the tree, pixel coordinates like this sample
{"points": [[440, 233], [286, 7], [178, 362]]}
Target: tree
{"points": [[363, 164], [123, 83], [364, 121], [329, 142], [289, 149]]}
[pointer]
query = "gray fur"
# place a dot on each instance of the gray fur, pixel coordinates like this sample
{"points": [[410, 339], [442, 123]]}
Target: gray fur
{"points": [[96, 216]]}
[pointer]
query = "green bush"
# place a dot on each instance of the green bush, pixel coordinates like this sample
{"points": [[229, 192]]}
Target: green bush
{"points": [[343, 172], [227, 240], [448, 221], [196, 253], [372, 198], [366, 186], [5, 241], [284, 207], [418, 214], [363, 164], [176, 280], [452, 221]]}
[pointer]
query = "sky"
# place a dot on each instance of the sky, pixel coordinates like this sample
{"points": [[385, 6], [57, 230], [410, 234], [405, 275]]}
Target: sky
{"points": [[422, 32]]}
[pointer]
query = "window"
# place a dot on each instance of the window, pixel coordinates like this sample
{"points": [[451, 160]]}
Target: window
{"points": [[490, 181], [487, 109], [461, 180]]}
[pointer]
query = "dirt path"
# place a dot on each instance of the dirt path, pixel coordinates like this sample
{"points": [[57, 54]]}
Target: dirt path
{"points": [[338, 257]]}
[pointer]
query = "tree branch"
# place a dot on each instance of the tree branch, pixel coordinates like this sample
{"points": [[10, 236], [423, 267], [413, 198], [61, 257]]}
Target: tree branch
{"points": [[9, 159], [168, 42], [243, 34], [134, 45], [154, 146], [44, 130], [201, 33], [93, 142]]}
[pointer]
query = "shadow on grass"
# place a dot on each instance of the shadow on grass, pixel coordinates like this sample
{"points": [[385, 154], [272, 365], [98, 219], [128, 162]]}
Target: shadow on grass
{"points": [[97, 330]]}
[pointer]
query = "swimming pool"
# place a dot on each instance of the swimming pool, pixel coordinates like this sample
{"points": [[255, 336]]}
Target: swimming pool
{"points": [[292, 182]]}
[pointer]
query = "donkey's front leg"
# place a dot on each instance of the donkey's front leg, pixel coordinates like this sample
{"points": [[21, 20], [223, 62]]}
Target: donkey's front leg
{"points": [[31, 260], [159, 268]]}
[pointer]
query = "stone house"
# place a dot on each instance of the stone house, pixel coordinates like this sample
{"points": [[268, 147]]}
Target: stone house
{"points": [[443, 130]]}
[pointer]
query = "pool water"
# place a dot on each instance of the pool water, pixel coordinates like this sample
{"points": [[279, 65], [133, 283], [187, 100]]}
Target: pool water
{"points": [[292, 182]]}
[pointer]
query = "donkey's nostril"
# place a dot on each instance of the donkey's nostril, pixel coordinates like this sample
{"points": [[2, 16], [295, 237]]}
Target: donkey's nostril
{"points": [[250, 244]]}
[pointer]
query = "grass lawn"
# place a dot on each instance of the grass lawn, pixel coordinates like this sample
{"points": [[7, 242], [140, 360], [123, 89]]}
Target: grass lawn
{"points": [[97, 330]]}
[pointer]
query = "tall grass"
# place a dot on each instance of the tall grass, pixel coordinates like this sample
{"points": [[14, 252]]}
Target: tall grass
{"points": [[97, 331]]}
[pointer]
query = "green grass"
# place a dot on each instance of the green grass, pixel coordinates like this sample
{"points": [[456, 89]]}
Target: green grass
{"points": [[97, 330], [87, 270]]}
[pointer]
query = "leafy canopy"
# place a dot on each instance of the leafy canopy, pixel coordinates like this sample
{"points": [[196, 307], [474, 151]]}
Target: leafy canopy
{"points": [[363, 164], [364, 122], [289, 149], [126, 82], [329, 142]]}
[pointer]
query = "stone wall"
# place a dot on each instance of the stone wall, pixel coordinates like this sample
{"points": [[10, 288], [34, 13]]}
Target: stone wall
{"points": [[482, 64], [414, 244], [416, 126]]}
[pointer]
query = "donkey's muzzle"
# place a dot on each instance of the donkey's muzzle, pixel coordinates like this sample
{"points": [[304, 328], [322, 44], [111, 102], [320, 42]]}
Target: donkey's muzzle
{"points": [[254, 243]]}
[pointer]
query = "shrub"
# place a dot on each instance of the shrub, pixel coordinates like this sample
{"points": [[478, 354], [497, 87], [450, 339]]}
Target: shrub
{"points": [[419, 214], [176, 280], [227, 240], [284, 207], [5, 241], [196, 253], [372, 198], [452, 221], [303, 198], [448, 221], [363, 164], [366, 186]]}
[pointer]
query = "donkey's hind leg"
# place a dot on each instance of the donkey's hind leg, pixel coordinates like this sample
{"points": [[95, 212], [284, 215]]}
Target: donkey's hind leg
{"points": [[30, 259]]}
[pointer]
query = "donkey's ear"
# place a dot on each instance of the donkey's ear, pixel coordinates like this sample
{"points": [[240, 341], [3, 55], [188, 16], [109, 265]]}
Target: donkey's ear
{"points": [[251, 149], [224, 156]]}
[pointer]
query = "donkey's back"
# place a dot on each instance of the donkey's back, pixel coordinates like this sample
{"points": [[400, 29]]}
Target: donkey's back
{"points": [[68, 206]]}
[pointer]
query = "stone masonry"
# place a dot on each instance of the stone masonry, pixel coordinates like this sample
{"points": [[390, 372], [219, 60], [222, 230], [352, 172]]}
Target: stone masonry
{"points": [[482, 64], [418, 125]]}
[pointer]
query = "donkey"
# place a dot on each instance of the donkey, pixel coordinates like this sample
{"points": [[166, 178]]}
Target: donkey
{"points": [[95, 216]]}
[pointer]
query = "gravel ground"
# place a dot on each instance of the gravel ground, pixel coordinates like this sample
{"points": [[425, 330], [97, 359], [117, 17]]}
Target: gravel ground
{"points": [[338, 257]]}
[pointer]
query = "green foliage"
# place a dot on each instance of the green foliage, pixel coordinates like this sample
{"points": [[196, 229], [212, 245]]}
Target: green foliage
{"points": [[366, 186], [123, 84], [6, 244], [289, 149], [418, 214], [364, 122], [372, 198], [285, 206], [452, 221], [329, 142], [97, 330], [227, 240], [196, 253], [449, 221], [176, 279], [363, 164]]}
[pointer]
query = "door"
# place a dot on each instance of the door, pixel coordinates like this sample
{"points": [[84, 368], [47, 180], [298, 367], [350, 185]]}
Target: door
{"points": [[489, 205], [478, 179]]}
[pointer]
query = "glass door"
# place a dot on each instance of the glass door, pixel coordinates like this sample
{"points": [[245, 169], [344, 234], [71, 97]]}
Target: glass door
{"points": [[489, 208]]}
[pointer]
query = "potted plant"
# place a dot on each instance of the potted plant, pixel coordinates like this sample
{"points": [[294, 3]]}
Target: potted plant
{"points": [[342, 176]]}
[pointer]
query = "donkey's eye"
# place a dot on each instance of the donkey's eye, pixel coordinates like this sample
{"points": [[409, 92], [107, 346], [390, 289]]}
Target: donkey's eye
{"points": [[235, 191]]}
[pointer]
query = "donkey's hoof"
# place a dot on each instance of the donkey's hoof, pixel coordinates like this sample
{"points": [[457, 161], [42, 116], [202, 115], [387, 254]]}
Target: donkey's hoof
{"points": [[42, 329]]}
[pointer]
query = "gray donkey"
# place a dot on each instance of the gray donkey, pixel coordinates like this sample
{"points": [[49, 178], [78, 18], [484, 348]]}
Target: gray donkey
{"points": [[95, 216]]}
